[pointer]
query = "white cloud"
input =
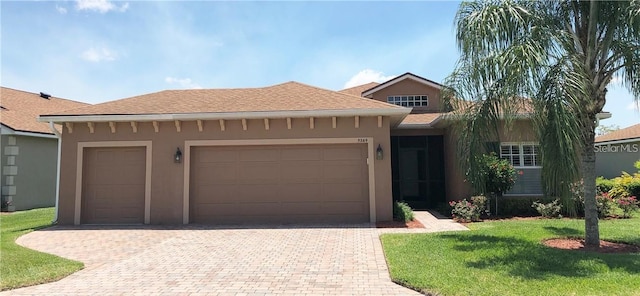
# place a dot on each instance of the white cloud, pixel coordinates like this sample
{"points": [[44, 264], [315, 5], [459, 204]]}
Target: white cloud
{"points": [[101, 6], [182, 82], [61, 10], [97, 55], [634, 106], [366, 76]]}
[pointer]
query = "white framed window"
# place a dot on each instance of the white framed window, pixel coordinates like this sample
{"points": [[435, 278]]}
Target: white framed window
{"points": [[525, 158], [409, 100], [521, 155]]}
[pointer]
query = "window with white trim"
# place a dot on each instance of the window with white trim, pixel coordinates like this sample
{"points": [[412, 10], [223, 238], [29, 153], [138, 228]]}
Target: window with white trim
{"points": [[409, 100], [521, 155], [525, 158]]}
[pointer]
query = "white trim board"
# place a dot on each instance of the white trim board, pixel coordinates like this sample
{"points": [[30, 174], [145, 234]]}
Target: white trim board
{"points": [[268, 142], [79, 167]]}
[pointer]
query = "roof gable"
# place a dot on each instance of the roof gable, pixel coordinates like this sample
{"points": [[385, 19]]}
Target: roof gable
{"points": [[402, 77], [20, 109]]}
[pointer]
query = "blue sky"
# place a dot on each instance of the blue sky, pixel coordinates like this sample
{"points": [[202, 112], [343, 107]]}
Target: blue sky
{"points": [[96, 51]]}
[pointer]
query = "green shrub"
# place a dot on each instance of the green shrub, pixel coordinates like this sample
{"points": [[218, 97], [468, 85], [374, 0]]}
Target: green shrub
{"points": [[469, 211], [627, 204], [402, 212], [548, 210], [605, 205], [604, 185], [634, 187], [498, 175]]}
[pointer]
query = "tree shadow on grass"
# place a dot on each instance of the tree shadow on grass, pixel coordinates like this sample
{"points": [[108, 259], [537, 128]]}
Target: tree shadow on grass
{"points": [[533, 260], [564, 231]]}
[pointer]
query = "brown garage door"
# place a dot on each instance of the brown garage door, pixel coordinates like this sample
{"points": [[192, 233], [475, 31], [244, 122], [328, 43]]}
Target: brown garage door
{"points": [[279, 184], [113, 185]]}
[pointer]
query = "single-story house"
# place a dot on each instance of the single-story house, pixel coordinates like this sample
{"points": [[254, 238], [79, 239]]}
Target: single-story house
{"points": [[287, 153], [29, 149], [617, 151]]}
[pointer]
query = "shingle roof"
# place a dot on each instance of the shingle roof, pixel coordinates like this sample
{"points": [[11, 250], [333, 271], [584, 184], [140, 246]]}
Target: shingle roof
{"points": [[290, 96], [358, 90], [20, 109], [420, 119], [631, 132]]}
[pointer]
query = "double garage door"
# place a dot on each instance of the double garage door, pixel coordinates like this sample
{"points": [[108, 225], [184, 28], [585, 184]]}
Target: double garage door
{"points": [[281, 184], [237, 184]]}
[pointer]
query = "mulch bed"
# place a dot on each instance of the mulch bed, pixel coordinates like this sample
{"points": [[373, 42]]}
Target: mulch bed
{"points": [[398, 224], [578, 245]]}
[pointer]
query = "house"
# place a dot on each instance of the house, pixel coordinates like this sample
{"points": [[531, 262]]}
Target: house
{"points": [[29, 149], [287, 153], [617, 151]]}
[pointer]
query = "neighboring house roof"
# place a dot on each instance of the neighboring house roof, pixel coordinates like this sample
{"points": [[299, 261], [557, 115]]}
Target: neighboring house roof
{"points": [[358, 90], [20, 110], [286, 99], [402, 77], [628, 133]]}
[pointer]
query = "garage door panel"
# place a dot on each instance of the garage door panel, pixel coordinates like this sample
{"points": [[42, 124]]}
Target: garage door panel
{"points": [[216, 156], [345, 208], [218, 173], [342, 153], [113, 189], [299, 171], [252, 154], [301, 192], [216, 192], [257, 192], [258, 172], [283, 184], [343, 171], [345, 192], [301, 154]]}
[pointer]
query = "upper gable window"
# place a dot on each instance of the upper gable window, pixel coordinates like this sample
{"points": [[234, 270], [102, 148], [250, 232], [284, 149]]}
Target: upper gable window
{"points": [[409, 101]]}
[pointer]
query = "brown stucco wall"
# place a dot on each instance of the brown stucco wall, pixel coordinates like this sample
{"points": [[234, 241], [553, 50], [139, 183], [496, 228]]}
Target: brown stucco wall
{"points": [[412, 87], [167, 176]]}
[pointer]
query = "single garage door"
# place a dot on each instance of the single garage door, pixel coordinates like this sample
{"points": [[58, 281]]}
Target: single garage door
{"points": [[279, 184], [113, 185]]}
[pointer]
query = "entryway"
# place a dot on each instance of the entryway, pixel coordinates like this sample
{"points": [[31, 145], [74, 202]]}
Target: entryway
{"points": [[418, 170]]}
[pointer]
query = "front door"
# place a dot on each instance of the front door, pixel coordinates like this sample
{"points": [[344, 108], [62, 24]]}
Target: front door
{"points": [[418, 170]]}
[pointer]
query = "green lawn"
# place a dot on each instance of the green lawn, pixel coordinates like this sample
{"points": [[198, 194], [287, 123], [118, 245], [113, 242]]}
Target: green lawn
{"points": [[20, 266], [507, 258]]}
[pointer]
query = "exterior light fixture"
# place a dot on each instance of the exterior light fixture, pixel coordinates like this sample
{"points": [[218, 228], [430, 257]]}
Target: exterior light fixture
{"points": [[177, 158], [379, 153]]}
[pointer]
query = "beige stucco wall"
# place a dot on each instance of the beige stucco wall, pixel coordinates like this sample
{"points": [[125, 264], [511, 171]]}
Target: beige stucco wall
{"points": [[167, 176], [29, 171], [412, 87]]}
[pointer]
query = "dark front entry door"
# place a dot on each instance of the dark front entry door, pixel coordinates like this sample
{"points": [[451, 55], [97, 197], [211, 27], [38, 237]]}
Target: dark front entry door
{"points": [[418, 170]]}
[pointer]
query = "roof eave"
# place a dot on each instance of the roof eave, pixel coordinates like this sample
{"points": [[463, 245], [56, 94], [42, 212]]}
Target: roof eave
{"points": [[622, 141], [395, 113], [7, 130]]}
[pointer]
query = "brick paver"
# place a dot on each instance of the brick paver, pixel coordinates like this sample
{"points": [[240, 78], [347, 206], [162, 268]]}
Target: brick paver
{"points": [[199, 260]]}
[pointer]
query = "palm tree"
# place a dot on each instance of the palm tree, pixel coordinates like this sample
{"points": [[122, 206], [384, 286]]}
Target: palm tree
{"points": [[552, 60]]}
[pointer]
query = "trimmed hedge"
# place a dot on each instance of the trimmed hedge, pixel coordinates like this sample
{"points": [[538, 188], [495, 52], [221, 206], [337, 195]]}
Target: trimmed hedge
{"points": [[402, 212]]}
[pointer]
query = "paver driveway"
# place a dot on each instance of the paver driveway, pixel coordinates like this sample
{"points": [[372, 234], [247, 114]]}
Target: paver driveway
{"points": [[345, 260]]}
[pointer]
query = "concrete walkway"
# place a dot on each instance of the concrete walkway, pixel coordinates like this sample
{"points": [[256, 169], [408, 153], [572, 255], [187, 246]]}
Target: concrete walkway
{"points": [[199, 260]]}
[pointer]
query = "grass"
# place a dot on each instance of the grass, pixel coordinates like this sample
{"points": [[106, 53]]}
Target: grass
{"points": [[19, 266], [507, 258]]}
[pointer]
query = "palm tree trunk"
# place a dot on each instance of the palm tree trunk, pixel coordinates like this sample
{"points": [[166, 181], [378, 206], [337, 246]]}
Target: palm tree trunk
{"points": [[592, 232]]}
